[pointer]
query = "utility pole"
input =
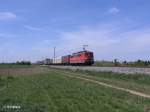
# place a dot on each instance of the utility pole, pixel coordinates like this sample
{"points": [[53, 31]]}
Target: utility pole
{"points": [[84, 47], [54, 53]]}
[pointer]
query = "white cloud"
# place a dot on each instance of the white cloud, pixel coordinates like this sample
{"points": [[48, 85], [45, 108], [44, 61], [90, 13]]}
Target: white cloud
{"points": [[107, 43], [7, 15], [113, 10], [32, 28]]}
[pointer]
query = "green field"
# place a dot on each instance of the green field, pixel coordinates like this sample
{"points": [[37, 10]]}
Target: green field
{"points": [[41, 89], [137, 82]]}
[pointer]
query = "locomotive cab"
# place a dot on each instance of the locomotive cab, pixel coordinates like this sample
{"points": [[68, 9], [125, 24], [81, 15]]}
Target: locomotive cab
{"points": [[89, 59]]}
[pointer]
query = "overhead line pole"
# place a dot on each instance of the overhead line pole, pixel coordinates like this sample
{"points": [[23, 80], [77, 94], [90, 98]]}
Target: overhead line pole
{"points": [[54, 53]]}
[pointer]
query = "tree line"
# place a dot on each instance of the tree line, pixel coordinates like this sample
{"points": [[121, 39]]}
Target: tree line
{"points": [[18, 63], [116, 62]]}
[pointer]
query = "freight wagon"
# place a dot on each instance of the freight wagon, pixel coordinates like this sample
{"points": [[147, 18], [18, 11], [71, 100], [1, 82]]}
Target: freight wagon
{"points": [[66, 59], [57, 61], [47, 61]]}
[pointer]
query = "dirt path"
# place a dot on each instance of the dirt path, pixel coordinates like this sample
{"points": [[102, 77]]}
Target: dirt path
{"points": [[68, 74]]}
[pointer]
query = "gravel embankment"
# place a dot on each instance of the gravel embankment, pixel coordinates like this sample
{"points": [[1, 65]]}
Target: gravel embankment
{"points": [[127, 70]]}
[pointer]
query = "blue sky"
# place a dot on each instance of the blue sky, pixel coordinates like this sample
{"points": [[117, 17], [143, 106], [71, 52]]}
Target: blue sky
{"points": [[29, 29]]}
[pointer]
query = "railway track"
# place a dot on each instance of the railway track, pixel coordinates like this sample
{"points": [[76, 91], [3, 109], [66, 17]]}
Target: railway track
{"points": [[126, 70]]}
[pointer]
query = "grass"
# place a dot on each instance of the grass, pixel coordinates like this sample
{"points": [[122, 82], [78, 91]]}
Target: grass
{"points": [[138, 82], [51, 91]]}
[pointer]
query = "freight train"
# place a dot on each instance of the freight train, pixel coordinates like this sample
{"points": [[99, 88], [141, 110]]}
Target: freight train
{"points": [[79, 58]]}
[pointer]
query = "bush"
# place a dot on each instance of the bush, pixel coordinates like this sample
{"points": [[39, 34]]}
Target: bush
{"points": [[23, 63]]}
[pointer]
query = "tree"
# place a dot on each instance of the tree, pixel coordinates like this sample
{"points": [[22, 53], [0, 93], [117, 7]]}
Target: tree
{"points": [[116, 62]]}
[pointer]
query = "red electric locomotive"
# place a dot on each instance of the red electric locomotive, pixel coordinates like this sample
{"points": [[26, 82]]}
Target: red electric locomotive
{"points": [[82, 58]]}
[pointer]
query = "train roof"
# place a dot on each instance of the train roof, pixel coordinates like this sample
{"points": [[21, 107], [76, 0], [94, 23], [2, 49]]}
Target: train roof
{"points": [[81, 52]]}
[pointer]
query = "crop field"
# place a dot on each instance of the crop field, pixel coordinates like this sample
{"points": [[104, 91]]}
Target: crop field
{"points": [[44, 89]]}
